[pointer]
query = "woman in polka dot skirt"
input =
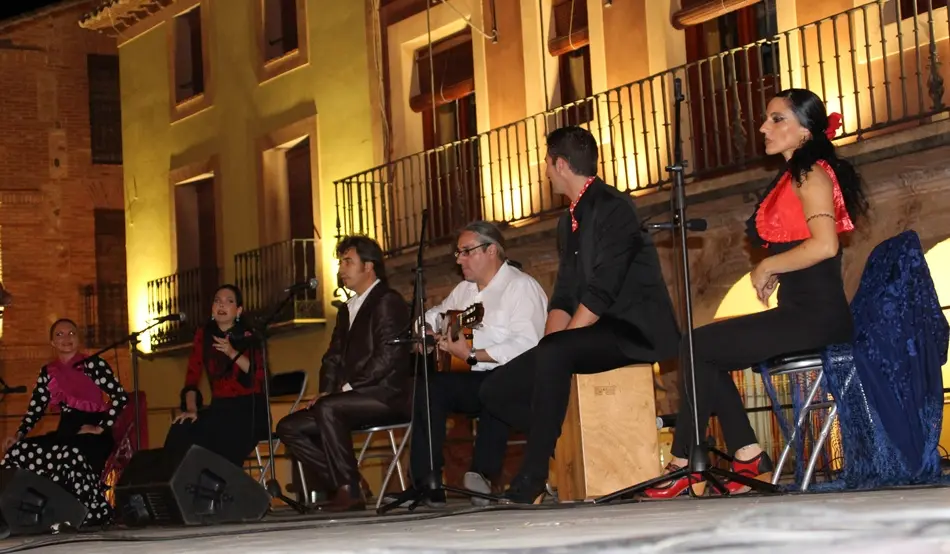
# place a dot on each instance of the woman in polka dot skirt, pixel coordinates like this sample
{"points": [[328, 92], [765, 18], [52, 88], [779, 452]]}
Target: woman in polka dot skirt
{"points": [[75, 454]]}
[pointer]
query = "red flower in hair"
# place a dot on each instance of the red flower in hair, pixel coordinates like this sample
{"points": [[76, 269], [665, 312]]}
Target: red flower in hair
{"points": [[834, 123]]}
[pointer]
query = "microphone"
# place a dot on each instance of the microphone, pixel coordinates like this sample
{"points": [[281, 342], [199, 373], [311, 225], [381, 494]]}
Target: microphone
{"points": [[171, 317], [309, 284], [691, 224]]}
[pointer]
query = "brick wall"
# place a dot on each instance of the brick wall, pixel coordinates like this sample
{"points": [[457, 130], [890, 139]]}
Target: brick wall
{"points": [[48, 190]]}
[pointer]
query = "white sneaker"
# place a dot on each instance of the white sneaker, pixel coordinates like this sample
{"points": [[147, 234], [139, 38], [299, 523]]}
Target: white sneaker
{"points": [[477, 482]]}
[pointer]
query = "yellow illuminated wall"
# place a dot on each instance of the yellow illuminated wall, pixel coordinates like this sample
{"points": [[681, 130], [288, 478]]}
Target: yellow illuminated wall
{"points": [[938, 259], [333, 89], [741, 300]]}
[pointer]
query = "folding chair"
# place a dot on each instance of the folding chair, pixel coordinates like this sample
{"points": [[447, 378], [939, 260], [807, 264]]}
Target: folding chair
{"points": [[397, 450], [281, 385]]}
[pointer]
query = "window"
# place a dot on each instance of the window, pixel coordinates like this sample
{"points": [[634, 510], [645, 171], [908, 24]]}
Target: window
{"points": [[195, 224], [189, 60], [287, 202], [454, 189], [733, 71], [280, 28], [452, 69], [105, 304], [575, 82], [570, 25], [910, 8], [569, 42], [105, 112]]}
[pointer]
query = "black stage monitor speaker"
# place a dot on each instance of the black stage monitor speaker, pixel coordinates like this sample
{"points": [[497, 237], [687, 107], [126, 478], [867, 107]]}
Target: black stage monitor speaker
{"points": [[32, 504], [201, 488]]}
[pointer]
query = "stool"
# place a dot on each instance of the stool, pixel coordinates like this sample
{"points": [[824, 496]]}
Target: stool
{"points": [[608, 439], [796, 365]]}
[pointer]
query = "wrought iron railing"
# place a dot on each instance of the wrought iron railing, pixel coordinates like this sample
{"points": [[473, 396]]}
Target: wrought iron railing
{"points": [[105, 313], [875, 65], [190, 292], [263, 275]]}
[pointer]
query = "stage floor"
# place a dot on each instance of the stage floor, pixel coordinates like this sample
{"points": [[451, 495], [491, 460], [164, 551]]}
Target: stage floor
{"points": [[901, 520]]}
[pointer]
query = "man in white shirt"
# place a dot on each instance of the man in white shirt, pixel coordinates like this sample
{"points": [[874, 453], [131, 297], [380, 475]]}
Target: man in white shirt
{"points": [[364, 380], [515, 309]]}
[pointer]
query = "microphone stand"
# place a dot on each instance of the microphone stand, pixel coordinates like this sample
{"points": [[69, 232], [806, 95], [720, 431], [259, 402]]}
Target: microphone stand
{"points": [[7, 389], [698, 458], [431, 483], [133, 340], [272, 485]]}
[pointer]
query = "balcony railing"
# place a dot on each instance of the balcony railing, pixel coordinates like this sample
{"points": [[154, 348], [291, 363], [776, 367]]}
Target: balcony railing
{"points": [[264, 273], [875, 65], [105, 313], [190, 292]]}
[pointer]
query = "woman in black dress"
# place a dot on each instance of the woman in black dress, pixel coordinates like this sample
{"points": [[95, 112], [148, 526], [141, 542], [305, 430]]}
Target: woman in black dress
{"points": [[810, 202], [236, 420], [74, 455]]}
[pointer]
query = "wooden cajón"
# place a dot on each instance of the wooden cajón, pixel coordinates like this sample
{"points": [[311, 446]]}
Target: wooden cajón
{"points": [[609, 437]]}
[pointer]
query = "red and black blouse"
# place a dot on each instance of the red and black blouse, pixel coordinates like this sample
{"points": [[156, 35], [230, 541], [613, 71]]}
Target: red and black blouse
{"points": [[227, 379]]}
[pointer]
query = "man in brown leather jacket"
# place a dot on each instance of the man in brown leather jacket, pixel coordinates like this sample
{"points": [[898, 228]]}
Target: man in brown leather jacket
{"points": [[363, 380]]}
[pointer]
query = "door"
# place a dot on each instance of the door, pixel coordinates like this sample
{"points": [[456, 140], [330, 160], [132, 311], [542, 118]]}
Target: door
{"points": [[453, 193], [302, 251], [730, 81]]}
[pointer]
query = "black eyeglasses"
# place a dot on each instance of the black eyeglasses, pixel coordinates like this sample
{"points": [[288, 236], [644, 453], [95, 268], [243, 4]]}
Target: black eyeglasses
{"points": [[466, 252]]}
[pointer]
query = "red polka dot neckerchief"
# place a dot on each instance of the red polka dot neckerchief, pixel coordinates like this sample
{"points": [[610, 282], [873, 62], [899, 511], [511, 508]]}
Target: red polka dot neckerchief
{"points": [[574, 223]]}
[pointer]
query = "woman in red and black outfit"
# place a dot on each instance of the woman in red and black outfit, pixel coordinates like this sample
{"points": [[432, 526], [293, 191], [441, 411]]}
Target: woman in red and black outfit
{"points": [[236, 420], [811, 202]]}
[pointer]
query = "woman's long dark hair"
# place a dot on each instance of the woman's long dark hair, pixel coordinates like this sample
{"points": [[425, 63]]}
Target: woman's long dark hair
{"points": [[810, 112], [212, 330]]}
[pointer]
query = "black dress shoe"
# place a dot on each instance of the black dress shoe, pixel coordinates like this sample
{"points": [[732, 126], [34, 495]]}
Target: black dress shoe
{"points": [[347, 498], [524, 490]]}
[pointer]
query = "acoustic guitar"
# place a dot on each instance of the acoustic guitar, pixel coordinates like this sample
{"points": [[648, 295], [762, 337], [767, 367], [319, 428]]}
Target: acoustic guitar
{"points": [[459, 324]]}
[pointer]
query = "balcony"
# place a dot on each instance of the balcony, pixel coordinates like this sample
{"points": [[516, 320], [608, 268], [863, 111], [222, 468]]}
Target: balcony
{"points": [[264, 273], [105, 313], [877, 66], [190, 292]]}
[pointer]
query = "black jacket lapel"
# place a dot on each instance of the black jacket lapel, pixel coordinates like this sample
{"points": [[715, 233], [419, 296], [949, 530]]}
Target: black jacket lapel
{"points": [[363, 315]]}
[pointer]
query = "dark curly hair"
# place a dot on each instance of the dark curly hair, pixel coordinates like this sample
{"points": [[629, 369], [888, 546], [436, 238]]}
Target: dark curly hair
{"points": [[810, 112], [367, 249]]}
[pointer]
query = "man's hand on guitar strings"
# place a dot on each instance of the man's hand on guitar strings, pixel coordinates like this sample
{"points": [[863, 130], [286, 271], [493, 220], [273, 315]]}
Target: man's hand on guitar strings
{"points": [[457, 348]]}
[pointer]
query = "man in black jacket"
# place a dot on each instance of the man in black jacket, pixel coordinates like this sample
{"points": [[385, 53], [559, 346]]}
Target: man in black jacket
{"points": [[363, 380], [610, 308]]}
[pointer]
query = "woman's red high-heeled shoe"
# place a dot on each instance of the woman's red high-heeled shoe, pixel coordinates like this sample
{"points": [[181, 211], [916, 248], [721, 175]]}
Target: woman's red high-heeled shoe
{"points": [[759, 468], [676, 487]]}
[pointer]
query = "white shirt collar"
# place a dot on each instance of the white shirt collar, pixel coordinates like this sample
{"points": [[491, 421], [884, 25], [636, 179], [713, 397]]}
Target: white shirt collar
{"points": [[501, 277], [360, 297], [353, 304]]}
